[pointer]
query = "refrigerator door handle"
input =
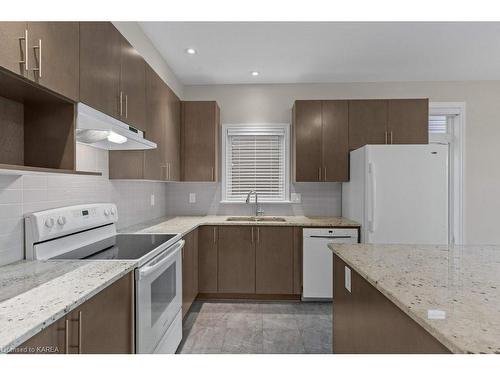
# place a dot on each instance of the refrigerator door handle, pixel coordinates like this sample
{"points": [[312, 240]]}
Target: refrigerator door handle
{"points": [[373, 194]]}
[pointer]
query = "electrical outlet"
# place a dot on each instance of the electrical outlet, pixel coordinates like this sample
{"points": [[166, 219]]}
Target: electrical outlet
{"points": [[152, 200], [296, 198], [192, 197]]}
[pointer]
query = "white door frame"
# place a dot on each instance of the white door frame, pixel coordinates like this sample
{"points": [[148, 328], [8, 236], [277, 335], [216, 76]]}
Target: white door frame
{"points": [[456, 139]]}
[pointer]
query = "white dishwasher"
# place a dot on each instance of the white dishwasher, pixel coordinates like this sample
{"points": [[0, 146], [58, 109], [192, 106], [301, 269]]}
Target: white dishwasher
{"points": [[317, 271]]}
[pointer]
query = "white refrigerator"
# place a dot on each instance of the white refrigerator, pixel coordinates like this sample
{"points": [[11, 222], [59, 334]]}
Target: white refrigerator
{"points": [[398, 193]]}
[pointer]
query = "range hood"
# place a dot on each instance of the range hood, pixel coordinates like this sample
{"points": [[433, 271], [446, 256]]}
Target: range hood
{"points": [[97, 129]]}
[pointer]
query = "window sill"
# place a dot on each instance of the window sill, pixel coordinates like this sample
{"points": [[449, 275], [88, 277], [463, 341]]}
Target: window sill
{"points": [[260, 202]]}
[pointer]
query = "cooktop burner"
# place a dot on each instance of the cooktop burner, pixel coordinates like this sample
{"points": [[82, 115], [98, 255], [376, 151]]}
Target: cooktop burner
{"points": [[120, 247]]}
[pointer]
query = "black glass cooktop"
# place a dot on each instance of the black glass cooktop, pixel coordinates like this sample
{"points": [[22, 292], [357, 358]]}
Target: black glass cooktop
{"points": [[121, 246]]}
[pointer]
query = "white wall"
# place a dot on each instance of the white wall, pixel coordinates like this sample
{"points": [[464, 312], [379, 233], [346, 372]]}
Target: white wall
{"points": [[136, 37], [272, 103], [20, 195]]}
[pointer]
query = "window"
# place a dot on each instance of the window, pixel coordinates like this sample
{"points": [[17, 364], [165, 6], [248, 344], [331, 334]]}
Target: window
{"points": [[256, 158]]}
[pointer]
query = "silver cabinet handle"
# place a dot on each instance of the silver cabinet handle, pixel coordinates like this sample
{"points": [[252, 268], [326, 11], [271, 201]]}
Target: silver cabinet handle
{"points": [[213, 178], [66, 336], [169, 171], [80, 332], [126, 106], [121, 103], [258, 235], [391, 137], [324, 174], [215, 234], [39, 48], [319, 174], [252, 234], [25, 61], [385, 137]]}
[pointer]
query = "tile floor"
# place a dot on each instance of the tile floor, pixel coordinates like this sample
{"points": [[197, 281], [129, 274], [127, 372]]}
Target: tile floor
{"points": [[258, 327]]}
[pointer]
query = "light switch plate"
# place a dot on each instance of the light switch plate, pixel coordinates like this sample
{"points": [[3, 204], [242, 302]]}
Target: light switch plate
{"points": [[152, 200], [192, 197], [347, 279], [295, 197]]}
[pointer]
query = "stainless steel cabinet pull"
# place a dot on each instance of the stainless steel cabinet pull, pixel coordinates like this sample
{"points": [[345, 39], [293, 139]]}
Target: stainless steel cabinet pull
{"points": [[391, 137], [80, 332], [252, 234], [258, 235], [39, 48], [121, 103], [126, 106], [385, 137], [25, 61], [215, 235], [213, 179], [319, 174], [324, 174], [66, 336]]}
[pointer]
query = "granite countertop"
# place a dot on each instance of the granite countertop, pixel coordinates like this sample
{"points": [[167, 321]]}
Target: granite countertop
{"points": [[185, 224], [34, 294], [461, 281]]}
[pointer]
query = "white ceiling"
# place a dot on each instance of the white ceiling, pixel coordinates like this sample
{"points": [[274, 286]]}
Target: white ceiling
{"points": [[327, 52]]}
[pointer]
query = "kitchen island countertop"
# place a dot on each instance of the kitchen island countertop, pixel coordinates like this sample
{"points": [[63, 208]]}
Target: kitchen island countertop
{"points": [[453, 292]]}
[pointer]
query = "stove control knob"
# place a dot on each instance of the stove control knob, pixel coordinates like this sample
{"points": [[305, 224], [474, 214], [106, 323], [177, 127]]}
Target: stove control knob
{"points": [[113, 211], [106, 212], [61, 220], [49, 222]]}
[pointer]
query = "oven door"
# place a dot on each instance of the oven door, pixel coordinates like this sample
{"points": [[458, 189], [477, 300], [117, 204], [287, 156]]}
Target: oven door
{"points": [[158, 297]]}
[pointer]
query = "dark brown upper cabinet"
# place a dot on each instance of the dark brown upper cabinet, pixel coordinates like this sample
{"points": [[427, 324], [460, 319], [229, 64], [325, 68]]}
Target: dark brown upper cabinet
{"points": [[44, 52], [393, 121], [15, 45], [367, 123], [408, 121], [132, 86], [200, 141], [320, 140], [100, 56]]}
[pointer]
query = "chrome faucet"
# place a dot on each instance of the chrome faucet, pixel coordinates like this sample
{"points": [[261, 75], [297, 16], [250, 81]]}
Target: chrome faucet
{"points": [[258, 210]]}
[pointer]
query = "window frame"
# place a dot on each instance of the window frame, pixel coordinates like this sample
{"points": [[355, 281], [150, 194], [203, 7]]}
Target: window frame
{"points": [[250, 127]]}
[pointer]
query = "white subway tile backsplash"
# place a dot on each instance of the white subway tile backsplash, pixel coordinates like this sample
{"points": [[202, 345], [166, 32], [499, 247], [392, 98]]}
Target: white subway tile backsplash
{"points": [[11, 182], [10, 196], [34, 182]]}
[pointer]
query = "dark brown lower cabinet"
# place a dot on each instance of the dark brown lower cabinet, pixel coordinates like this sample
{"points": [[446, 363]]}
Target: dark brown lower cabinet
{"points": [[189, 271], [207, 259], [236, 259], [274, 260], [102, 325], [366, 322]]}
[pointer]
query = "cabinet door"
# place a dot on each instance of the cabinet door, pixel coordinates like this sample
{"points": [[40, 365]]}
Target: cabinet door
{"points": [[408, 121], [307, 143], [172, 136], [128, 164], [297, 260], [156, 96], [51, 340], [13, 49], [55, 56], [367, 123], [132, 86], [207, 259], [106, 321], [236, 261], [274, 260], [200, 123], [335, 115], [100, 52], [189, 270]]}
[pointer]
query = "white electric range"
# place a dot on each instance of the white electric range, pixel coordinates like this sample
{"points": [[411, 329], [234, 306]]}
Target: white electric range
{"points": [[89, 232]]}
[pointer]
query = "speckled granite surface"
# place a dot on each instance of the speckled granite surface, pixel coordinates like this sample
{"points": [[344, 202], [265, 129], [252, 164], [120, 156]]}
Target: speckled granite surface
{"points": [[185, 224], [34, 294], [461, 281]]}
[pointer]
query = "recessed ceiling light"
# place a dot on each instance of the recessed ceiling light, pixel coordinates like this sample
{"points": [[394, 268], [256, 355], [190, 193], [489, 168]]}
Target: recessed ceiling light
{"points": [[190, 51], [255, 73]]}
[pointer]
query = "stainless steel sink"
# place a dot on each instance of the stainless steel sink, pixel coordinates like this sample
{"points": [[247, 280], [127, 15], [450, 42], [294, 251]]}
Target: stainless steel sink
{"points": [[256, 218]]}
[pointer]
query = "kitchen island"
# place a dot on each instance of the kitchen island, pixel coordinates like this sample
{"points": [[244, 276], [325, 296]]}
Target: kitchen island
{"points": [[416, 299]]}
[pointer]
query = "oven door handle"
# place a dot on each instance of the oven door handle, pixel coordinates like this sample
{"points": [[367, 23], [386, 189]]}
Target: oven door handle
{"points": [[148, 269]]}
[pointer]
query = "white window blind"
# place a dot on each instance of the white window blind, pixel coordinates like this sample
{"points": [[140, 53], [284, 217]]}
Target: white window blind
{"points": [[256, 160], [438, 124]]}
